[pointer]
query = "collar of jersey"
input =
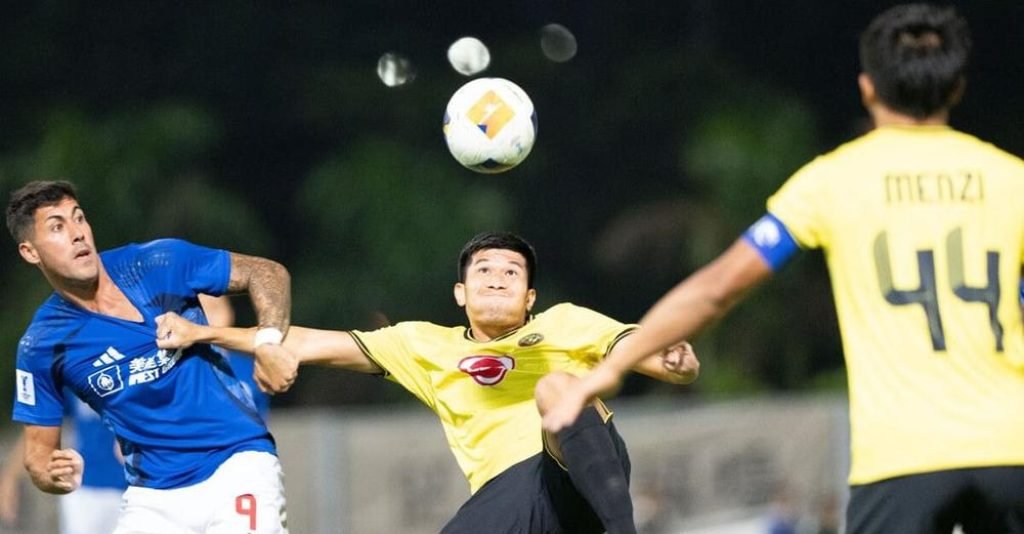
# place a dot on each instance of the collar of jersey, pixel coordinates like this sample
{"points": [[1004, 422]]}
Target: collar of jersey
{"points": [[468, 333]]}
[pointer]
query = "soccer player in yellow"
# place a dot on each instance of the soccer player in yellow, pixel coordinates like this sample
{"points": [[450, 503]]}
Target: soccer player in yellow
{"points": [[922, 228], [481, 381]]}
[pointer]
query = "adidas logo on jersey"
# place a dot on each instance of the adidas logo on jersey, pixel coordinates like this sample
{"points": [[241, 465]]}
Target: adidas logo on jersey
{"points": [[110, 356]]}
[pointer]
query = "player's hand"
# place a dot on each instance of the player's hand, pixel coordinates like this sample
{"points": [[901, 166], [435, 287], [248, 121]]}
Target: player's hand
{"points": [[681, 361], [174, 331], [577, 396], [276, 368], [568, 407], [65, 469]]}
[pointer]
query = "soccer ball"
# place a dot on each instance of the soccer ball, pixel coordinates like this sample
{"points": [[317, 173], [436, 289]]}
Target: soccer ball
{"points": [[490, 125]]}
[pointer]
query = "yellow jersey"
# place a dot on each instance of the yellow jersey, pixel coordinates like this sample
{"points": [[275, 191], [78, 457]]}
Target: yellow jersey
{"points": [[922, 228], [483, 391]]}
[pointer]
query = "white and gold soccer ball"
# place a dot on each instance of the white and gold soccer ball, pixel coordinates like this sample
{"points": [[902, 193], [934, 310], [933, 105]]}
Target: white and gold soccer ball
{"points": [[490, 125]]}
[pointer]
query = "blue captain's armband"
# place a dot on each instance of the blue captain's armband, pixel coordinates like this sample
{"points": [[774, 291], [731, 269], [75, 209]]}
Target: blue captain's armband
{"points": [[772, 241]]}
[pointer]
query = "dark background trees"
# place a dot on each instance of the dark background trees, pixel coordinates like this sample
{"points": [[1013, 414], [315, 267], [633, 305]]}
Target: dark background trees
{"points": [[263, 128]]}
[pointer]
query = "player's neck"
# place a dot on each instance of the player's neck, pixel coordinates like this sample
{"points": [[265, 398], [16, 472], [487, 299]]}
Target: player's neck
{"points": [[884, 116], [80, 292], [100, 295], [484, 333]]}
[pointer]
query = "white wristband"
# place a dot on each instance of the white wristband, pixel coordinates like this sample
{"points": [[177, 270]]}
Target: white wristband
{"points": [[267, 335]]}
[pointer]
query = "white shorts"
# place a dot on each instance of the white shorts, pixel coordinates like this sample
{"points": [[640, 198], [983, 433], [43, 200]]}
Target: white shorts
{"points": [[89, 510], [244, 496]]}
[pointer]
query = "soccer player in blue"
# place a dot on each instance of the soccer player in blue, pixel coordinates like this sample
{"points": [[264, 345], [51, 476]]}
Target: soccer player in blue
{"points": [[198, 457], [95, 506]]}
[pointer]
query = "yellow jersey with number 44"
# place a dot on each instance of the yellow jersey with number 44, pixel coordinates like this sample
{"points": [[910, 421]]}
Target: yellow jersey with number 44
{"points": [[923, 231]]}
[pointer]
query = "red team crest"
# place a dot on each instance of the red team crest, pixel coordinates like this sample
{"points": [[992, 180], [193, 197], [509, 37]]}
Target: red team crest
{"points": [[487, 370]]}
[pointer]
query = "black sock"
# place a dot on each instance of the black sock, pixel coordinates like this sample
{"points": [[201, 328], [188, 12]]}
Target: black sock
{"points": [[592, 459]]}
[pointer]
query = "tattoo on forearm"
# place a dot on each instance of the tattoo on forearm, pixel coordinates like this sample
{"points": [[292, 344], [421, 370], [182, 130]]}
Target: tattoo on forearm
{"points": [[269, 286]]}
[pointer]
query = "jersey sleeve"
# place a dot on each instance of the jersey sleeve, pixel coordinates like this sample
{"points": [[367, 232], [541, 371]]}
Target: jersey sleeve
{"points": [[37, 400], [390, 348], [596, 333], [799, 205], [201, 269]]}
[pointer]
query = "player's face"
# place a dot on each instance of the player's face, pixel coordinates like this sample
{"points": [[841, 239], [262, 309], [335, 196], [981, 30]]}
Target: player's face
{"points": [[495, 293], [62, 245]]}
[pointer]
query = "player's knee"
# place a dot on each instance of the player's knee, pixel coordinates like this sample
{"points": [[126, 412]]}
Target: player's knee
{"points": [[549, 389]]}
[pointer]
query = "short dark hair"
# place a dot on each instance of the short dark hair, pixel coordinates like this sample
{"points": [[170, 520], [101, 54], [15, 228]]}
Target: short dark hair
{"points": [[23, 203], [500, 241], [916, 55]]}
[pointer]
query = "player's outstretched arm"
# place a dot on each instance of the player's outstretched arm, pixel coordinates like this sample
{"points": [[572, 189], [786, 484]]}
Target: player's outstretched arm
{"points": [[313, 346], [698, 301], [693, 304], [269, 286], [332, 348], [51, 468]]}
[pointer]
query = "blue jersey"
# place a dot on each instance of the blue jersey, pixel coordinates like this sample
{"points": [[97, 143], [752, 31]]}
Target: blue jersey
{"points": [[177, 414], [243, 366], [95, 442]]}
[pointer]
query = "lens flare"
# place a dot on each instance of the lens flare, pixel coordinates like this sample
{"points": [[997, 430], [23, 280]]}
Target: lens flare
{"points": [[557, 43], [469, 56], [395, 69]]}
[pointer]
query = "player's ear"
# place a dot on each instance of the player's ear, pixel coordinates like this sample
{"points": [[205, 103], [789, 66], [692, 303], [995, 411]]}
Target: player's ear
{"points": [[28, 252], [460, 294], [531, 297], [868, 95]]}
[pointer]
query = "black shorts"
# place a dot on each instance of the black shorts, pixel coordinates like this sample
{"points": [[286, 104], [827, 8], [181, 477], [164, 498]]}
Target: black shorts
{"points": [[534, 496], [981, 500]]}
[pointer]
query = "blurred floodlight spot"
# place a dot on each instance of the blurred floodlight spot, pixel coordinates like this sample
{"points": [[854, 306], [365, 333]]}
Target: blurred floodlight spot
{"points": [[395, 69], [469, 56], [557, 43]]}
